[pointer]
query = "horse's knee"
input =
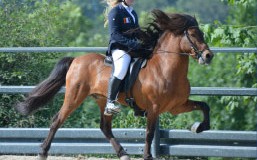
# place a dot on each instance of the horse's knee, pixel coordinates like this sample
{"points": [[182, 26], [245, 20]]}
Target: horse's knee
{"points": [[106, 130], [203, 105], [103, 129], [102, 124]]}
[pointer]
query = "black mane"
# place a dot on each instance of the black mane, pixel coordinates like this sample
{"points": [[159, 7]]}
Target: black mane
{"points": [[175, 23]]}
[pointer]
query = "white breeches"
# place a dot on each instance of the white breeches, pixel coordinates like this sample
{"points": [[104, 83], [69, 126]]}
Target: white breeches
{"points": [[121, 61]]}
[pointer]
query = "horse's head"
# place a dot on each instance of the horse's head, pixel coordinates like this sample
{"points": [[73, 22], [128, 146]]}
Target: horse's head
{"points": [[193, 43], [180, 25]]}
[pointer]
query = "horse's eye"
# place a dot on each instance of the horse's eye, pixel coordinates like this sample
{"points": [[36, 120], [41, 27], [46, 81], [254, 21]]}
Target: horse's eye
{"points": [[193, 35]]}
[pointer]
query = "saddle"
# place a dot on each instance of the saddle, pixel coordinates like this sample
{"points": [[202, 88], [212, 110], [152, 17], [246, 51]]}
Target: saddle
{"points": [[127, 83]]}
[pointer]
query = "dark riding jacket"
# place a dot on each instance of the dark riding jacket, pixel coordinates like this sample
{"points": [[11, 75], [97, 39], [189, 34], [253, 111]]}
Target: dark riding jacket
{"points": [[120, 21]]}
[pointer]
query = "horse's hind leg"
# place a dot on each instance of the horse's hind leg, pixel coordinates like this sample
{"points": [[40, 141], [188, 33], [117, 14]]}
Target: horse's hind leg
{"points": [[47, 142], [73, 98], [106, 128], [196, 105]]}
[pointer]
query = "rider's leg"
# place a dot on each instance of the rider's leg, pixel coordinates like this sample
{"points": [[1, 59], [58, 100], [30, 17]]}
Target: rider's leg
{"points": [[121, 61]]}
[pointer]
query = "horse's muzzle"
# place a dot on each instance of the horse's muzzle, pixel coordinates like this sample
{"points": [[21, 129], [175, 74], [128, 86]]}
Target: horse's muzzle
{"points": [[206, 57]]}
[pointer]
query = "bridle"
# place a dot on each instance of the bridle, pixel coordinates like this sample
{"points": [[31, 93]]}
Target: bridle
{"points": [[193, 46], [196, 50]]}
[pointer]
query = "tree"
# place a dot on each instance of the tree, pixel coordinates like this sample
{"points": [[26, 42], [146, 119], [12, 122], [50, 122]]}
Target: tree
{"points": [[30, 23]]}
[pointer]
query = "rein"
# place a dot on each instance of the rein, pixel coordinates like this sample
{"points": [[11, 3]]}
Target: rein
{"points": [[163, 51]]}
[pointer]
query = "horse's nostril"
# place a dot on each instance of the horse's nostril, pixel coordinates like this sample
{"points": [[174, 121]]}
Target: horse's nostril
{"points": [[208, 56]]}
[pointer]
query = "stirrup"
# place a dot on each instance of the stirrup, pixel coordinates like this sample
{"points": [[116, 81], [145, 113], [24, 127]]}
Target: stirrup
{"points": [[111, 109], [108, 61]]}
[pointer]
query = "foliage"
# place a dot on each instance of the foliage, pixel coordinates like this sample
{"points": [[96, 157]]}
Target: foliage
{"points": [[31, 23], [207, 11], [127, 120], [233, 70]]}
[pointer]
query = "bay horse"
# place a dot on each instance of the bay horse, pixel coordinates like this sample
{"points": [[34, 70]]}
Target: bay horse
{"points": [[162, 86]]}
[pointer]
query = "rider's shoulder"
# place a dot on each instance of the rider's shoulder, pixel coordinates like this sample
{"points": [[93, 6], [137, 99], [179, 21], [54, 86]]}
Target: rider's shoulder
{"points": [[117, 9]]}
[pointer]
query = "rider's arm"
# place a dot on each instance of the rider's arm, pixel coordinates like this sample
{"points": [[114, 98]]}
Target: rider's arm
{"points": [[115, 26]]}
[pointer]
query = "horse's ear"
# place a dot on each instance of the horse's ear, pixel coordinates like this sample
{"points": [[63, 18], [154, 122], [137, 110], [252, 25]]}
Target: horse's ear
{"points": [[195, 19], [161, 19]]}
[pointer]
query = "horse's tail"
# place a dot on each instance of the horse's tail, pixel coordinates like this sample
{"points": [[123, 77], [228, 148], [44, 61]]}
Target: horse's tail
{"points": [[46, 90]]}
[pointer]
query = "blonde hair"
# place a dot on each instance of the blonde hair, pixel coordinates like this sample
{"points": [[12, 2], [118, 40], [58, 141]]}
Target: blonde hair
{"points": [[113, 3], [110, 5]]}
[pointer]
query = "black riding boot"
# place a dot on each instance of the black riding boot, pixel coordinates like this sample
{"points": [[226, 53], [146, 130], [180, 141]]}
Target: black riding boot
{"points": [[113, 90]]}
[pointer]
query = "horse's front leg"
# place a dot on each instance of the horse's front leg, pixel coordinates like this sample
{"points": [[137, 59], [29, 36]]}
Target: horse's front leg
{"points": [[205, 124], [106, 128], [191, 105], [152, 116]]}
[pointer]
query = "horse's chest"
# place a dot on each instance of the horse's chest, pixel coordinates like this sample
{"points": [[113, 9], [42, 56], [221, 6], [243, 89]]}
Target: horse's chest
{"points": [[173, 92], [173, 85]]}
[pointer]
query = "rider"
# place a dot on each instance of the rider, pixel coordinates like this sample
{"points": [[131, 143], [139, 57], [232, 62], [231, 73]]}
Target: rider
{"points": [[121, 18]]}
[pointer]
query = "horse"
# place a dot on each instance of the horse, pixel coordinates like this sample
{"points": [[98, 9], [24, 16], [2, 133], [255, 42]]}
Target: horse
{"points": [[161, 86]]}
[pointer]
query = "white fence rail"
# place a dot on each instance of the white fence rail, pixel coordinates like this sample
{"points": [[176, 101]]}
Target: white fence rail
{"points": [[92, 141], [103, 49], [214, 91]]}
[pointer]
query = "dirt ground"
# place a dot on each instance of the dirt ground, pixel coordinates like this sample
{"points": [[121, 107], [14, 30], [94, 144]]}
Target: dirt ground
{"points": [[10, 157]]}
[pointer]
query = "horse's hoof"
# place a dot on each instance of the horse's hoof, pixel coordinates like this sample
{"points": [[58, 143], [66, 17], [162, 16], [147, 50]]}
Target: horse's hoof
{"points": [[198, 127], [195, 127], [125, 157], [41, 157]]}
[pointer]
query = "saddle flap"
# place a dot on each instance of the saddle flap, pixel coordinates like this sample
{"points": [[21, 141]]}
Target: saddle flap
{"points": [[135, 67]]}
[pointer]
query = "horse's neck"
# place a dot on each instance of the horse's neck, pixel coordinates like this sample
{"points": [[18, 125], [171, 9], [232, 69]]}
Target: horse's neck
{"points": [[168, 54]]}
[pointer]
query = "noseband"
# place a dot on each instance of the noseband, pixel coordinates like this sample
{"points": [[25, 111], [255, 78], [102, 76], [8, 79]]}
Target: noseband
{"points": [[193, 46]]}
